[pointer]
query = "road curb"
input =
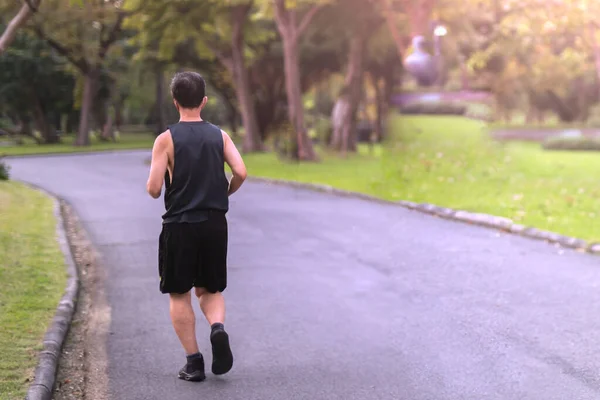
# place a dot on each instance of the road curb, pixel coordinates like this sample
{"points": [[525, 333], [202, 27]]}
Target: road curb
{"points": [[42, 386], [480, 219], [73, 154]]}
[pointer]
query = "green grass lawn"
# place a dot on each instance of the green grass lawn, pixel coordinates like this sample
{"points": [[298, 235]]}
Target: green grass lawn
{"points": [[126, 141], [33, 277], [450, 161]]}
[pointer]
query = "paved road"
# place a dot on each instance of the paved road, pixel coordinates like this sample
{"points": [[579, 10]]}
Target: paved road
{"points": [[336, 298]]}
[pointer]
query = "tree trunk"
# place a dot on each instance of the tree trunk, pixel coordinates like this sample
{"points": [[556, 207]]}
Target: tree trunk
{"points": [[47, 132], [305, 150], [354, 81], [161, 122], [104, 115], [58, 123], [269, 109], [290, 33], [389, 83], [89, 88], [266, 113], [100, 114], [71, 122], [379, 109], [252, 137], [108, 132], [25, 128], [338, 118], [119, 112], [564, 111], [233, 122]]}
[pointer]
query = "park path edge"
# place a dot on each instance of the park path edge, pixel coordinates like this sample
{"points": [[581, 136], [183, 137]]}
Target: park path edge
{"points": [[42, 387], [480, 219]]}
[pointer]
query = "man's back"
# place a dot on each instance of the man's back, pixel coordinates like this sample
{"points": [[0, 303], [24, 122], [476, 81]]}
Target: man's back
{"points": [[199, 184]]}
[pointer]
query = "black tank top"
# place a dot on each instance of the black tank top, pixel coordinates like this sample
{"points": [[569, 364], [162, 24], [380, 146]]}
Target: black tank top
{"points": [[199, 183]]}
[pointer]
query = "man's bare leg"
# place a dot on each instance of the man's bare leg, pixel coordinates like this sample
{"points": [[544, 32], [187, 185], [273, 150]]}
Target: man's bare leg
{"points": [[184, 322], [213, 307]]}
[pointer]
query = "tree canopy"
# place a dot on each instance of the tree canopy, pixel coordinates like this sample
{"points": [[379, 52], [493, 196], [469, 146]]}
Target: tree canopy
{"points": [[286, 74]]}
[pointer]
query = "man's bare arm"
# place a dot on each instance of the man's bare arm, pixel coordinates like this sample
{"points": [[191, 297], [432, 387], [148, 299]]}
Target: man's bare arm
{"points": [[158, 168], [234, 159]]}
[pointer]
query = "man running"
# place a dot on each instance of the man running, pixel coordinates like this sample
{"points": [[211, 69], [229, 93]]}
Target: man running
{"points": [[192, 253]]}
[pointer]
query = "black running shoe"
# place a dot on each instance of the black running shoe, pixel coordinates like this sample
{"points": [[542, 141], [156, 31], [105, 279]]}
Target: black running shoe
{"points": [[193, 371], [222, 356]]}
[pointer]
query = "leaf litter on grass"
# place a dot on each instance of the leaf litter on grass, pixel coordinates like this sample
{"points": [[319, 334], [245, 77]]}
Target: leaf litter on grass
{"points": [[453, 162]]}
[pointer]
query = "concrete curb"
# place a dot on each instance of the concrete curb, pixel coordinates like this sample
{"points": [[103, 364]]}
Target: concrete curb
{"points": [[42, 387], [486, 220], [74, 154]]}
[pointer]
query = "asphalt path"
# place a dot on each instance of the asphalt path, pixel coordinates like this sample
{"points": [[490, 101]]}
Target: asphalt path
{"points": [[339, 298]]}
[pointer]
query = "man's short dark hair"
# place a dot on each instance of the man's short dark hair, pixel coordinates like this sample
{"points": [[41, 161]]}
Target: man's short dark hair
{"points": [[188, 89]]}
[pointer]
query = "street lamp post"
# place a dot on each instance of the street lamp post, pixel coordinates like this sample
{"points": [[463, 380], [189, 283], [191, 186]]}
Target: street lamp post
{"points": [[438, 32]]}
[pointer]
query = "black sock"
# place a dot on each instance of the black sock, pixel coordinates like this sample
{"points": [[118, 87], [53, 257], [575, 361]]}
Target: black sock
{"points": [[216, 326], [193, 357]]}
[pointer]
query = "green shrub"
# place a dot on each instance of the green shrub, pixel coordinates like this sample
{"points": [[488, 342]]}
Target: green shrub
{"points": [[478, 111], [434, 108], [571, 143], [4, 170]]}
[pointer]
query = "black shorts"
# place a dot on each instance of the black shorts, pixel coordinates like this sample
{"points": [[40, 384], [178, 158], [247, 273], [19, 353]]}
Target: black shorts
{"points": [[193, 255]]}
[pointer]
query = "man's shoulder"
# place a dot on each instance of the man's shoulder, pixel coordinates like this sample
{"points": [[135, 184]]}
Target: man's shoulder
{"points": [[165, 136], [164, 139]]}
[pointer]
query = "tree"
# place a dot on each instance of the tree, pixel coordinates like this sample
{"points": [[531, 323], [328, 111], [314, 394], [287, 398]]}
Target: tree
{"points": [[237, 12], [83, 34], [224, 39], [25, 12], [290, 30], [109, 93], [384, 67], [34, 84], [535, 56], [220, 79], [358, 22], [148, 62]]}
